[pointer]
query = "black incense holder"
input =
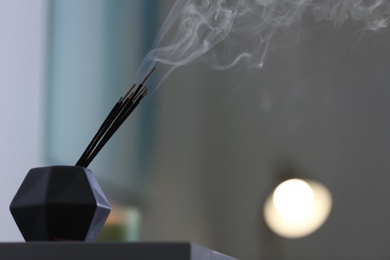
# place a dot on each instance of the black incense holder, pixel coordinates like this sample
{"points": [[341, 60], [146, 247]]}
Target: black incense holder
{"points": [[66, 203], [60, 203]]}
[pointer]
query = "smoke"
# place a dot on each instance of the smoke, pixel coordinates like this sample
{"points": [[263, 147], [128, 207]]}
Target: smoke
{"points": [[237, 33]]}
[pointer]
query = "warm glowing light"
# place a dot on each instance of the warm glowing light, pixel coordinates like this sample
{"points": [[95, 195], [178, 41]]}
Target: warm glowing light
{"points": [[297, 208], [294, 200]]}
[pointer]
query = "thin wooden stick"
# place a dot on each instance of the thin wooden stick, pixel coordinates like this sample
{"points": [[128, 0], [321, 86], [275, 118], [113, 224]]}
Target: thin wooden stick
{"points": [[148, 75], [103, 128], [128, 93], [144, 80], [115, 126], [122, 109]]}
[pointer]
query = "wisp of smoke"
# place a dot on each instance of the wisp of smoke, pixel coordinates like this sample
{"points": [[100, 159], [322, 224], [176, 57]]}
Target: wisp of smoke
{"points": [[242, 29]]}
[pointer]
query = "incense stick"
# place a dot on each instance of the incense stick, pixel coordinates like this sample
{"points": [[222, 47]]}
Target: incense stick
{"points": [[103, 128], [121, 118], [119, 113]]}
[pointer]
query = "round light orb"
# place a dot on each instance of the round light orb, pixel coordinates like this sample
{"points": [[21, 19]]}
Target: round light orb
{"points": [[297, 208]]}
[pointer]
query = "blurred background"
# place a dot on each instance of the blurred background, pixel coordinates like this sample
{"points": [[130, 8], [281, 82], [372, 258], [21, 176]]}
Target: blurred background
{"points": [[198, 159]]}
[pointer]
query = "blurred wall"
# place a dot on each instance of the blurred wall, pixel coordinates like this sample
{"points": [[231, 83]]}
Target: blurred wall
{"points": [[22, 59], [321, 101], [95, 47]]}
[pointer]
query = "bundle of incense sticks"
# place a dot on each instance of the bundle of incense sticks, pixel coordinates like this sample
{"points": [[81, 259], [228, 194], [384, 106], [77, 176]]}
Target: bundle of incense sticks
{"points": [[119, 113]]}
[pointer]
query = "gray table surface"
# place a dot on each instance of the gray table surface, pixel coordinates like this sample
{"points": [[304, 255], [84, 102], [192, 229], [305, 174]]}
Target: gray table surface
{"points": [[111, 251]]}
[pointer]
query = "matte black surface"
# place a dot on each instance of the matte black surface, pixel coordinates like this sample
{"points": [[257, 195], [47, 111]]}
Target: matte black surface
{"points": [[112, 251], [60, 203]]}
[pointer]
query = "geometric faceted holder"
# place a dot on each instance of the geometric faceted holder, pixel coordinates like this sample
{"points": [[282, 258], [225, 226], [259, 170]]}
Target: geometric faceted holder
{"points": [[60, 203]]}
